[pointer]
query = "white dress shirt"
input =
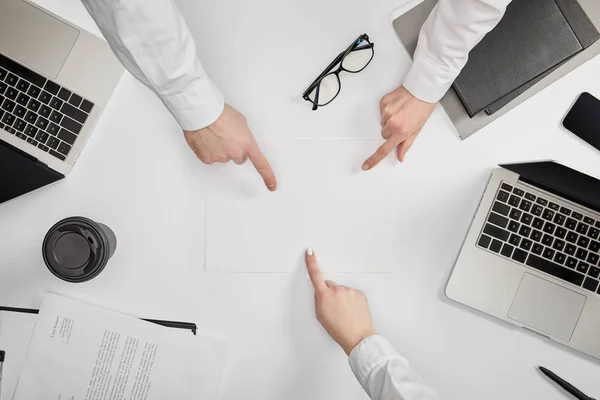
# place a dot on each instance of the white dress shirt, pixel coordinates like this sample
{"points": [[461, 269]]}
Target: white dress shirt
{"points": [[153, 42]]}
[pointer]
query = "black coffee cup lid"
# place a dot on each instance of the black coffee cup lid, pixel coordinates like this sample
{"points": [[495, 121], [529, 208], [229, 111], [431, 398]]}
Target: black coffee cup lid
{"points": [[76, 249]]}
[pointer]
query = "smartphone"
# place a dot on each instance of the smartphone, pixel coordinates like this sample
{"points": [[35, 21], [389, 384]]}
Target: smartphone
{"points": [[584, 119]]}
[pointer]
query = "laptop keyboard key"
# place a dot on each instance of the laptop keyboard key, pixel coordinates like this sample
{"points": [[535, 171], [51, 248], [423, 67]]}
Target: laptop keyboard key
{"points": [[594, 272], [58, 155], [554, 269], [43, 148], [524, 231], [45, 97], [52, 87], [561, 233], [41, 123], [514, 239], [514, 201], [45, 111], [518, 192], [31, 131], [548, 253], [34, 105], [19, 125], [537, 249], [548, 215], [594, 233], [20, 111], [572, 237], [541, 201], [515, 214], [64, 94], [23, 99], [3, 87], [554, 206], [8, 119], [526, 244], [570, 249], [8, 105], [498, 220], [496, 246], [30, 117], [537, 210], [571, 224], [53, 143], [547, 240], [502, 196], [507, 250], [581, 254], [571, 262], [513, 226], [519, 255], [559, 219], [55, 117], [565, 211], [588, 220], [75, 100], [525, 205], [558, 245], [86, 106], [56, 103], [527, 218], [582, 267], [538, 223], [500, 208], [583, 242], [34, 91], [530, 196], [64, 148], [41, 137], [496, 232], [577, 216], [582, 228], [53, 129], [560, 258], [70, 138], [11, 79], [590, 284], [593, 258], [71, 125], [74, 113], [484, 241], [549, 228], [595, 246]]}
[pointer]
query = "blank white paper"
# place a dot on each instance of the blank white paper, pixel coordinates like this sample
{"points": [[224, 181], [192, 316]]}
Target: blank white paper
{"points": [[15, 334], [324, 201]]}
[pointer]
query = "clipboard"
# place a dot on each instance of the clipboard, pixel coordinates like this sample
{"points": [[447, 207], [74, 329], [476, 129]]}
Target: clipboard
{"points": [[169, 324]]}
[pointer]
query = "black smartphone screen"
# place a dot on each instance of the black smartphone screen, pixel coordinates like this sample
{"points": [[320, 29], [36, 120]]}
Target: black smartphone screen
{"points": [[584, 119]]}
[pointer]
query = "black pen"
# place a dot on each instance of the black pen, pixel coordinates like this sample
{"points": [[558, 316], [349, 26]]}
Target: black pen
{"points": [[565, 385], [2, 355]]}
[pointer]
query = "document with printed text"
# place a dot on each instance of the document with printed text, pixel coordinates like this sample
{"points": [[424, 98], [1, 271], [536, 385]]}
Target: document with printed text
{"points": [[83, 352]]}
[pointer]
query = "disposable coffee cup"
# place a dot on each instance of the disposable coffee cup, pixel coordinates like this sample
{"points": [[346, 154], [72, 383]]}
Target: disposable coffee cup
{"points": [[77, 249]]}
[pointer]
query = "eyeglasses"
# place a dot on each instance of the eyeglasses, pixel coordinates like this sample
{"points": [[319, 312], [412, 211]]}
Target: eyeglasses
{"points": [[328, 85]]}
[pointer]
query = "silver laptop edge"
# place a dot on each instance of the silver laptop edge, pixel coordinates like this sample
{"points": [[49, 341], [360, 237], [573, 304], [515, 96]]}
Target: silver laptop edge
{"points": [[520, 295], [72, 57]]}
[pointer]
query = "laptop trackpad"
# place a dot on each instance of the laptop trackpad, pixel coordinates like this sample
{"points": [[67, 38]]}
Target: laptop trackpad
{"points": [[34, 37], [547, 307]]}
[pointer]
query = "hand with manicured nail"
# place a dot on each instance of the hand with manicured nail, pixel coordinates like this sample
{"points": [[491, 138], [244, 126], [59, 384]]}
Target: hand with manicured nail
{"points": [[343, 311], [229, 139], [402, 117]]}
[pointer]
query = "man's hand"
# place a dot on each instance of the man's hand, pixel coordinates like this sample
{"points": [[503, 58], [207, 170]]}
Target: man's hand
{"points": [[229, 139], [402, 117], [343, 312]]}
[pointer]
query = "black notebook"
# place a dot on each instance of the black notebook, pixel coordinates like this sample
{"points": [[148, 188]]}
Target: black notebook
{"points": [[532, 39]]}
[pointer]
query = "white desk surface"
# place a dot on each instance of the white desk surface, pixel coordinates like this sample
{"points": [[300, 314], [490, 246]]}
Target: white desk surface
{"points": [[138, 176]]}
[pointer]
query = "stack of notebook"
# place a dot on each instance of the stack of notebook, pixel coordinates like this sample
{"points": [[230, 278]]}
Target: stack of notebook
{"points": [[533, 38]]}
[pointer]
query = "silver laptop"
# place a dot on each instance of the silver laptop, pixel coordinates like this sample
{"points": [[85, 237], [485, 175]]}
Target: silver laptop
{"points": [[531, 256], [55, 80]]}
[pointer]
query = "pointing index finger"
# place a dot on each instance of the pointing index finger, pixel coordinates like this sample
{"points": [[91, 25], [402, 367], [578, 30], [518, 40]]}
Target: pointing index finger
{"points": [[263, 167], [314, 272]]}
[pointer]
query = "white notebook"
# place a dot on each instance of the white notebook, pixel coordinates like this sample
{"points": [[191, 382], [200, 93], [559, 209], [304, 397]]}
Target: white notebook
{"points": [[324, 200]]}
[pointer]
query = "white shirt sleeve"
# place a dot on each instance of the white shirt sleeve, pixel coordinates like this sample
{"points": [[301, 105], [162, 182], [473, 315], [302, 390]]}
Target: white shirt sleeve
{"points": [[153, 42], [384, 374], [451, 31]]}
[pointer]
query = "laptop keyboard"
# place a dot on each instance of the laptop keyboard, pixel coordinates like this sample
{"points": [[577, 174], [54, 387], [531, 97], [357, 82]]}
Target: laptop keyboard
{"points": [[533, 231], [40, 111]]}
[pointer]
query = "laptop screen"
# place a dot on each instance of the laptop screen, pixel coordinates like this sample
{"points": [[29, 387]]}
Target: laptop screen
{"points": [[560, 180], [20, 173]]}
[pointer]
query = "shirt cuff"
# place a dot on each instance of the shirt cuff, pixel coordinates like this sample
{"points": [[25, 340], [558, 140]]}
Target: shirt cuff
{"points": [[197, 106], [368, 354], [427, 81]]}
